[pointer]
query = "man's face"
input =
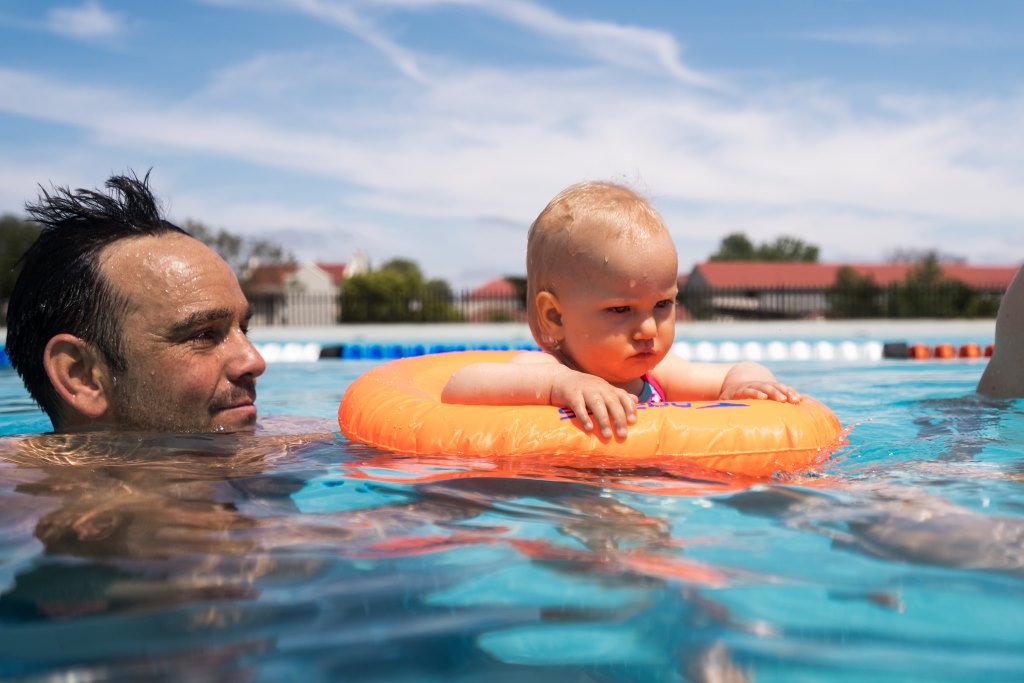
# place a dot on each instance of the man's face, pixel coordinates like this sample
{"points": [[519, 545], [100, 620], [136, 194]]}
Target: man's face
{"points": [[190, 365]]}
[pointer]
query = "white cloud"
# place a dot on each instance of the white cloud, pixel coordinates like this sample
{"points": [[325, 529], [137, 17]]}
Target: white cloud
{"points": [[86, 21], [618, 44], [343, 15], [452, 153], [402, 158], [609, 43], [887, 36]]}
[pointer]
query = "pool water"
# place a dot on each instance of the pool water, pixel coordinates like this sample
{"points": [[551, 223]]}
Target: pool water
{"points": [[295, 555]]}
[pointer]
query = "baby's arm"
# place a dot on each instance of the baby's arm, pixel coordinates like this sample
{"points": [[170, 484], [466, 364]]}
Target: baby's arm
{"points": [[753, 380], [710, 381], [539, 379]]}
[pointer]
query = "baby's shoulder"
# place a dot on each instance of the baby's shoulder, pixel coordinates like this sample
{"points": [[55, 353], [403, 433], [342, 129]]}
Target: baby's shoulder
{"points": [[533, 357], [671, 362]]}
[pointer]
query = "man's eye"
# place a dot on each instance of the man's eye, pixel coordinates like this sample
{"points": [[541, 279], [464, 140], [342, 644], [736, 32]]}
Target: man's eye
{"points": [[205, 337]]}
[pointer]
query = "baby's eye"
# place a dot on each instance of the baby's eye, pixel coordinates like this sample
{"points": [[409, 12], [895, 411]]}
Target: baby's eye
{"points": [[665, 303], [618, 309]]}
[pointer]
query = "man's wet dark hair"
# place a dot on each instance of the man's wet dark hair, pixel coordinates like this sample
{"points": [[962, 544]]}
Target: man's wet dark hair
{"points": [[61, 288]]}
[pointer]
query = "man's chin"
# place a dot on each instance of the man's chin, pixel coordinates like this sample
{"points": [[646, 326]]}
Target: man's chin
{"points": [[237, 419]]}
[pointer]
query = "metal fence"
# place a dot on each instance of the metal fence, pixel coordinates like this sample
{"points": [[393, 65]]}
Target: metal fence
{"points": [[864, 301], [327, 309], [899, 300]]}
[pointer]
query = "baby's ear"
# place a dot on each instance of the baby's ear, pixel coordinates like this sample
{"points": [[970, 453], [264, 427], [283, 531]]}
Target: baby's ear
{"points": [[549, 315]]}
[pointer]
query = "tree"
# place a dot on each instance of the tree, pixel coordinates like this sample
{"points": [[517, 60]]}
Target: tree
{"points": [[737, 247], [915, 255], [238, 251], [396, 292], [16, 236], [734, 247], [519, 282], [927, 292], [788, 248], [854, 295]]}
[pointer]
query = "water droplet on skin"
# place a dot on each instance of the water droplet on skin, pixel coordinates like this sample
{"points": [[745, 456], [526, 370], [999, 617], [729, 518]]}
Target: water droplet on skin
{"points": [[632, 283]]}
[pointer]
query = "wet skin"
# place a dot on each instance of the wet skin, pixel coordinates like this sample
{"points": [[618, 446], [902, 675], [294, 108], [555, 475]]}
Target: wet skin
{"points": [[618, 309], [190, 364]]}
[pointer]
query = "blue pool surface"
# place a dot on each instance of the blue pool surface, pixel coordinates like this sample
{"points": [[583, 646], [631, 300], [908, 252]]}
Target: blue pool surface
{"points": [[296, 555]]}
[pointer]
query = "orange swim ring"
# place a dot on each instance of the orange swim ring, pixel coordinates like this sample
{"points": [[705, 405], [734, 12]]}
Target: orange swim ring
{"points": [[397, 407]]}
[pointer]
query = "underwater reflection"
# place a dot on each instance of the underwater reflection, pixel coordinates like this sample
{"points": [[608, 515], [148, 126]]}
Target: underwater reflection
{"points": [[118, 544], [163, 518], [300, 556], [894, 522]]}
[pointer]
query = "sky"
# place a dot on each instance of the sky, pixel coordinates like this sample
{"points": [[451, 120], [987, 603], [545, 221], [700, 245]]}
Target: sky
{"points": [[437, 130]]}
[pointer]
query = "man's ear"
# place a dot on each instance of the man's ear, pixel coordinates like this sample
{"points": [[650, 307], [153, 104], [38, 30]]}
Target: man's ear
{"points": [[79, 377], [549, 317]]}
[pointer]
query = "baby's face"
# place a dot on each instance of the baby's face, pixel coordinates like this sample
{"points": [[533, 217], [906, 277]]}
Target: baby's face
{"points": [[618, 307]]}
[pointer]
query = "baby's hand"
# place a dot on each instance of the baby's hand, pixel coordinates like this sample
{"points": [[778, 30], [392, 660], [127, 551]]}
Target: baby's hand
{"points": [[584, 394], [761, 389]]}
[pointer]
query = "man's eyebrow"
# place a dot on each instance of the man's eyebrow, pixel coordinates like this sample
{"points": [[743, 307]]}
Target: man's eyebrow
{"points": [[200, 318]]}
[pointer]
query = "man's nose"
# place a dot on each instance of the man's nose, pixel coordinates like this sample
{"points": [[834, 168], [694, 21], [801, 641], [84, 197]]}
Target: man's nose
{"points": [[245, 358]]}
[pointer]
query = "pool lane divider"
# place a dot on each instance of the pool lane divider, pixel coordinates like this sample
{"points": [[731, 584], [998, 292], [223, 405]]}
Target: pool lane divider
{"points": [[728, 351], [705, 351], [295, 352], [944, 351]]}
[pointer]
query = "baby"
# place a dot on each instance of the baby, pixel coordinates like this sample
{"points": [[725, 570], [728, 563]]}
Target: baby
{"points": [[601, 293]]}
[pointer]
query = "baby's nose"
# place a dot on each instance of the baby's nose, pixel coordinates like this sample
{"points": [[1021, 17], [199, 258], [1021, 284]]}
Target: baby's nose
{"points": [[647, 328]]}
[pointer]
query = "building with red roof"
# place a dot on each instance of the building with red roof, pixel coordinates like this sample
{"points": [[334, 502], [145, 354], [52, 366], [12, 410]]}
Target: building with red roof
{"points": [[781, 289], [294, 293], [773, 275], [495, 300]]}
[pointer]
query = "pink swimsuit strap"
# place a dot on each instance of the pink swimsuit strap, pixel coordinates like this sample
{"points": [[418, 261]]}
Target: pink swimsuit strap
{"points": [[659, 393]]}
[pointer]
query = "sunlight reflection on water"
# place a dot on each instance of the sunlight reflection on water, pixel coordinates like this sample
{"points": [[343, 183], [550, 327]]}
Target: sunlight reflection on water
{"points": [[294, 554]]}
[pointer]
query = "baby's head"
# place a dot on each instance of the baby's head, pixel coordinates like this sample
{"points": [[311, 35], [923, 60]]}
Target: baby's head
{"points": [[591, 233]]}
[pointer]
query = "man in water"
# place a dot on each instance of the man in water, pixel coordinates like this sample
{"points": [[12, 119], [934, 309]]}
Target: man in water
{"points": [[121, 320], [1004, 376]]}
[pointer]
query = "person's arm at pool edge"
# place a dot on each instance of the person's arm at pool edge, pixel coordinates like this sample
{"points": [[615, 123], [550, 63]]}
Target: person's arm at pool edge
{"points": [[1004, 375]]}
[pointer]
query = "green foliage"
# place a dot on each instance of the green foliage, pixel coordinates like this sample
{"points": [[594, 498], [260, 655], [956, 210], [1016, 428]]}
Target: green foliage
{"points": [[16, 236], [787, 248], [917, 255], [499, 317], [854, 295], [238, 251], [520, 284], [396, 292], [737, 247], [925, 292]]}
